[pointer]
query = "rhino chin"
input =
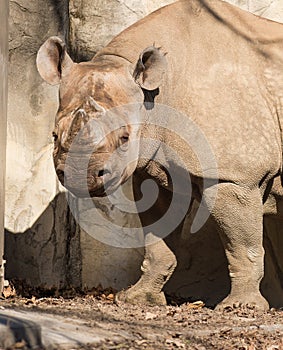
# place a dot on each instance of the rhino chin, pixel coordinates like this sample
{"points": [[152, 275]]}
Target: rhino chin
{"points": [[102, 191], [88, 193]]}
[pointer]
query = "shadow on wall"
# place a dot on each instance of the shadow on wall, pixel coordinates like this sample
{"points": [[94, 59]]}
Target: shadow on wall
{"points": [[56, 253], [50, 255], [47, 254]]}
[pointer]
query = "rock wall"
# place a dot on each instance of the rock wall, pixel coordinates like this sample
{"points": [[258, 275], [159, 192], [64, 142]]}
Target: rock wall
{"points": [[40, 232], [3, 122], [271, 9], [94, 24], [44, 244]]}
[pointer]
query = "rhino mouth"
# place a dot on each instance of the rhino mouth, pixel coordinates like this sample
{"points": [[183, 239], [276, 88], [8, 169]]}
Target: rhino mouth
{"points": [[96, 184], [107, 188]]}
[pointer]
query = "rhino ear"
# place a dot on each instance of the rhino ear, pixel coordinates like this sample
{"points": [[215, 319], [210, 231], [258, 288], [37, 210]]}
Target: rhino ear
{"points": [[52, 60], [150, 68]]}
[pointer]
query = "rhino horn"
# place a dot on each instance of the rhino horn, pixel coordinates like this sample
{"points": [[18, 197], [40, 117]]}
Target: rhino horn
{"points": [[89, 130], [96, 106]]}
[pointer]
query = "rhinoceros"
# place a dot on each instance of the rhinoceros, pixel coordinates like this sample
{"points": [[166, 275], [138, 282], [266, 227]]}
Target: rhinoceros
{"points": [[217, 73]]}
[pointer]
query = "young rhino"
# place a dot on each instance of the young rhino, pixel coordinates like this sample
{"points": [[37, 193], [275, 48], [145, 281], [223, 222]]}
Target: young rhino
{"points": [[202, 117]]}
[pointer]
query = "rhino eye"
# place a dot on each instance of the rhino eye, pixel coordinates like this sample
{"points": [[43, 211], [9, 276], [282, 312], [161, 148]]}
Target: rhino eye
{"points": [[124, 138], [124, 135], [55, 136]]}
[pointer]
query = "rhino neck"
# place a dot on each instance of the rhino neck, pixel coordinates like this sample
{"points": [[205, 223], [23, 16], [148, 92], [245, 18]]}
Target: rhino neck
{"points": [[160, 159], [156, 158], [150, 143]]}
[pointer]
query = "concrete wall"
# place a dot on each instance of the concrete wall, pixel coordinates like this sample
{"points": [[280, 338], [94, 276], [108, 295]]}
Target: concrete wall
{"points": [[94, 24], [271, 9], [4, 14], [40, 231], [44, 245]]}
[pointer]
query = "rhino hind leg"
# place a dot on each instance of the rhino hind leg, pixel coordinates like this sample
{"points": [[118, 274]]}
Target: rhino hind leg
{"points": [[239, 214], [158, 265]]}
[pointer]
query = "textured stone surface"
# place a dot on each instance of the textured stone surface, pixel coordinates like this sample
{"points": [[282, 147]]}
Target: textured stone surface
{"points": [[39, 228], [53, 332], [32, 105], [47, 254], [4, 4], [271, 9], [106, 258], [94, 24]]}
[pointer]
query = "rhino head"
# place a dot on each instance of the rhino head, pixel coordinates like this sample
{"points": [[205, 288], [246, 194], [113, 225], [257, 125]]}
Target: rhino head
{"points": [[99, 119]]}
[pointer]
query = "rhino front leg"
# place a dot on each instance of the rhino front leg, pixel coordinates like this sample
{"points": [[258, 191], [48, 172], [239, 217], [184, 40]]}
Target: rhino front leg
{"points": [[158, 265], [159, 261], [239, 214]]}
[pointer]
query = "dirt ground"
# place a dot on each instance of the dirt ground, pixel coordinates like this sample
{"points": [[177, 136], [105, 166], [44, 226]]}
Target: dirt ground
{"points": [[186, 326]]}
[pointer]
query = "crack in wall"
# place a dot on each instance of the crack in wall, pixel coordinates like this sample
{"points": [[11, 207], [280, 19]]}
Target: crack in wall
{"points": [[139, 14]]}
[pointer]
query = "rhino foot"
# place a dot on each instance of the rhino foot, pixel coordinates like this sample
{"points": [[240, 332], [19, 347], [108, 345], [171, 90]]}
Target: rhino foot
{"points": [[144, 297], [157, 267], [253, 301]]}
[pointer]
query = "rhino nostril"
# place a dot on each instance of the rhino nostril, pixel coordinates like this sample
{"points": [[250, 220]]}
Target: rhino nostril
{"points": [[103, 172]]}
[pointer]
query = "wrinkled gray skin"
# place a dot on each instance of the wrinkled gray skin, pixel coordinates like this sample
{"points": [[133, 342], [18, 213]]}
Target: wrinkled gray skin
{"points": [[224, 68]]}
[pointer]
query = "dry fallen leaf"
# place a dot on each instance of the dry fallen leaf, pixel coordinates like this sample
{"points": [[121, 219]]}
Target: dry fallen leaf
{"points": [[196, 305], [20, 345], [110, 296], [251, 347], [32, 300], [141, 342], [150, 316], [9, 291], [175, 342]]}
